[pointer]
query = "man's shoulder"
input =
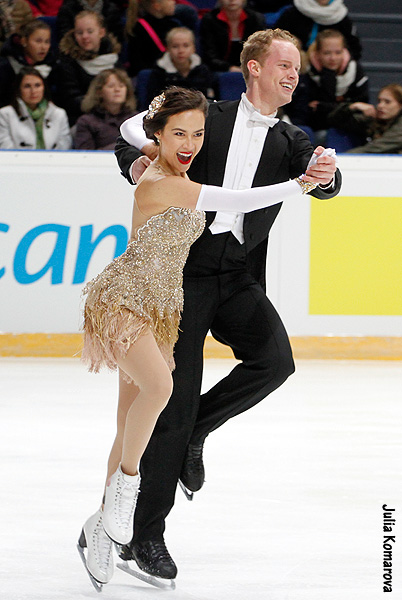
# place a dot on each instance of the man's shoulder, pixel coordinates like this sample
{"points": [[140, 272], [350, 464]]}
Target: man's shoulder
{"points": [[222, 106]]}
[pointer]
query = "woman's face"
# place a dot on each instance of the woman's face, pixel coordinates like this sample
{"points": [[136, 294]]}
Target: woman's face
{"points": [[88, 33], [323, 2], [166, 8], [181, 140], [330, 54], [181, 47], [387, 106], [32, 90], [114, 92], [37, 45]]}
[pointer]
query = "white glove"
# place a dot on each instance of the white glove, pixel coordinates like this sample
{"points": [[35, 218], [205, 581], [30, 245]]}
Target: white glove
{"points": [[215, 198]]}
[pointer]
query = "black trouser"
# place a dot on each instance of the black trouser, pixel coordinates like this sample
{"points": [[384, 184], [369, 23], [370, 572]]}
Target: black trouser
{"points": [[238, 313]]}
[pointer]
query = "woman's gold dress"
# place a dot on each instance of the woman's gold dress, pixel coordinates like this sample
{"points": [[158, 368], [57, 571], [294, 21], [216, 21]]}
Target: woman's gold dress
{"points": [[140, 290]]}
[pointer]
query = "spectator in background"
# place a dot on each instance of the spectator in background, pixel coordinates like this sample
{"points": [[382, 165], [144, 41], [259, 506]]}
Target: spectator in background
{"points": [[31, 121], [307, 17], [180, 66], [333, 77], [147, 25], [14, 14], [86, 50], [30, 48], [380, 126], [108, 102], [106, 9], [223, 31]]}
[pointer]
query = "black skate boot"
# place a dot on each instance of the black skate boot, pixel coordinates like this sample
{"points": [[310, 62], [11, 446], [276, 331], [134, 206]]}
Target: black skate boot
{"points": [[152, 557], [192, 474]]}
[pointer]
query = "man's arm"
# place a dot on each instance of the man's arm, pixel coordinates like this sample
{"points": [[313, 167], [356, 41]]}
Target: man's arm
{"points": [[126, 155]]}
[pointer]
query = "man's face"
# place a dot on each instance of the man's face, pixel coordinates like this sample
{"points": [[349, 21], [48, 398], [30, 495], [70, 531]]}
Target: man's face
{"points": [[279, 74]]}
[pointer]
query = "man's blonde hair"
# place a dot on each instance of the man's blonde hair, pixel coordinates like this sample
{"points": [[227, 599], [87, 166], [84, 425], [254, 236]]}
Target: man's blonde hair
{"points": [[258, 44]]}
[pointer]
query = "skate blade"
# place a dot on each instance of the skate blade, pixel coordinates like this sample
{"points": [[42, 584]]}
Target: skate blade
{"points": [[162, 584], [98, 586], [189, 495]]}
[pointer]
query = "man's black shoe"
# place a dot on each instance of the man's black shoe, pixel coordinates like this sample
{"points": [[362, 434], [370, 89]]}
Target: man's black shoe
{"points": [[152, 557], [192, 472]]}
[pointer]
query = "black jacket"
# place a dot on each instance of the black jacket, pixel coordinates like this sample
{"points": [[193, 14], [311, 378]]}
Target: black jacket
{"points": [[285, 155], [13, 51], [215, 42], [299, 25], [74, 80]]}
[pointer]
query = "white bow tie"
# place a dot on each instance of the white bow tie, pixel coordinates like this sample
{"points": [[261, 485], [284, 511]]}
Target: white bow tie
{"points": [[257, 117]]}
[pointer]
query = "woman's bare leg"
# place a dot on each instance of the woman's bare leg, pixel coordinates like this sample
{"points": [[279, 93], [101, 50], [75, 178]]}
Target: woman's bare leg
{"points": [[145, 364], [127, 394]]}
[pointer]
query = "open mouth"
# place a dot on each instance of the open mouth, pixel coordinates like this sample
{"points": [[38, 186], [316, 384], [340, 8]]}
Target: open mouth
{"points": [[287, 86], [184, 157]]}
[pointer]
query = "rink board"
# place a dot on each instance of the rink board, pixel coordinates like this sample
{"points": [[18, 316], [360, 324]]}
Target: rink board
{"points": [[64, 215]]}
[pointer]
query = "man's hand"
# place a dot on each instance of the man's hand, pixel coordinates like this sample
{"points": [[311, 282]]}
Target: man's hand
{"points": [[322, 172], [139, 167], [151, 150]]}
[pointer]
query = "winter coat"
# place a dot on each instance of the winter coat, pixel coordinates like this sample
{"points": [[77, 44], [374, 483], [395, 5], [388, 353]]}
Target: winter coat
{"points": [[13, 60], [48, 8], [382, 138], [329, 89], [301, 26], [70, 8], [165, 74], [78, 67], [98, 129], [215, 37], [18, 132], [142, 51], [20, 14]]}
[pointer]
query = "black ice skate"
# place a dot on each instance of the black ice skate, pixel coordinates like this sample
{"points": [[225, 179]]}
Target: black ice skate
{"points": [[192, 474], [155, 565]]}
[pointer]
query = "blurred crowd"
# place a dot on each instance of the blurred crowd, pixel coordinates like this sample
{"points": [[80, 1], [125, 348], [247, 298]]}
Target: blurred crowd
{"points": [[71, 71]]}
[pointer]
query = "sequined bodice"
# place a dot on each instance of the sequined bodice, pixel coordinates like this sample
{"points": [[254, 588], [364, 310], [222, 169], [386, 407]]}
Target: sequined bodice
{"points": [[148, 275]]}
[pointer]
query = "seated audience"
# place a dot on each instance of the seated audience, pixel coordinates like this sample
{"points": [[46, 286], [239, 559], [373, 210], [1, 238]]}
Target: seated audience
{"points": [[380, 125], [333, 77], [106, 9], [180, 66], [108, 102], [32, 121], [223, 31], [30, 48], [307, 17], [85, 51], [14, 14], [147, 25]]}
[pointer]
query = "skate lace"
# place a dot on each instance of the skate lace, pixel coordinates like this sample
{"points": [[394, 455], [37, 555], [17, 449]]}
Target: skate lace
{"points": [[195, 457], [127, 502], [104, 546]]}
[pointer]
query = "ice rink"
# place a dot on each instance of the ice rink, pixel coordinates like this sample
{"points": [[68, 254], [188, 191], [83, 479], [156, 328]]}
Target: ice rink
{"points": [[291, 508]]}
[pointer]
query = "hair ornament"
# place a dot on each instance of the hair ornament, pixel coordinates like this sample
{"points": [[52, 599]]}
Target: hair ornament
{"points": [[155, 106]]}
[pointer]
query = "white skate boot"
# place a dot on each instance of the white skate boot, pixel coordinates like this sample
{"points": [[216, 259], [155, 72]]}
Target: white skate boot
{"points": [[120, 501], [99, 559]]}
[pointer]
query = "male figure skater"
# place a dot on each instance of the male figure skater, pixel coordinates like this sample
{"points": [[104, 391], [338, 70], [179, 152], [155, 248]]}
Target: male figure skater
{"points": [[224, 283]]}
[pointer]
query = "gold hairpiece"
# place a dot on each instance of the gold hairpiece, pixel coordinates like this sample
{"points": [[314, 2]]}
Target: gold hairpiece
{"points": [[155, 106]]}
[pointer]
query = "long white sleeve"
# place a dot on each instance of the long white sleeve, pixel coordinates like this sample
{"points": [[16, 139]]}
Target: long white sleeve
{"points": [[215, 198], [133, 132]]}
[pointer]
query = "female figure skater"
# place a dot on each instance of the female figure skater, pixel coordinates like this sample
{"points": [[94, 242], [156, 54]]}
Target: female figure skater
{"points": [[132, 309]]}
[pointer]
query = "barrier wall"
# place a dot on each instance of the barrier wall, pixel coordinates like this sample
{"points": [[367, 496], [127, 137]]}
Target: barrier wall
{"points": [[335, 267]]}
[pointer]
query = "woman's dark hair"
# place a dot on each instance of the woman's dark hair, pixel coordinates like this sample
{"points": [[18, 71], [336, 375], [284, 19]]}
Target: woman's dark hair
{"points": [[395, 89], [17, 86], [177, 100]]}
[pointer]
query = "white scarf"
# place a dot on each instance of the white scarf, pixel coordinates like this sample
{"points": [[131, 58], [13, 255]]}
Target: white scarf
{"points": [[323, 15], [43, 69], [99, 63], [166, 63]]}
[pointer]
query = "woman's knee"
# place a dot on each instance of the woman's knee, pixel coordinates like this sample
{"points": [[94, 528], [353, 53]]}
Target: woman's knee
{"points": [[159, 388]]}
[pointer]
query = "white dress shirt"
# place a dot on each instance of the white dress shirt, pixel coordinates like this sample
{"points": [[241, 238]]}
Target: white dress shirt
{"points": [[248, 138]]}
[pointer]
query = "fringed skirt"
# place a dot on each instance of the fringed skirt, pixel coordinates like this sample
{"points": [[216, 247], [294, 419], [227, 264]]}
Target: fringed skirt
{"points": [[109, 331]]}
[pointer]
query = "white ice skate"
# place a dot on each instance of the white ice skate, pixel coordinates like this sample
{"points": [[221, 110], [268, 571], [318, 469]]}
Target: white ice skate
{"points": [[120, 501], [98, 560]]}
